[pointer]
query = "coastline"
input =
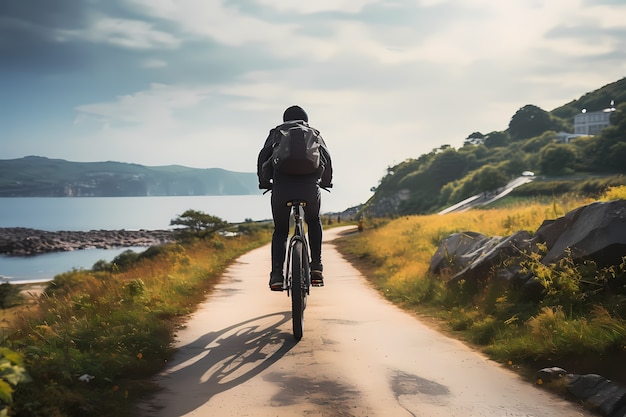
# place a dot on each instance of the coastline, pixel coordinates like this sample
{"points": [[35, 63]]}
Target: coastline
{"points": [[20, 241]]}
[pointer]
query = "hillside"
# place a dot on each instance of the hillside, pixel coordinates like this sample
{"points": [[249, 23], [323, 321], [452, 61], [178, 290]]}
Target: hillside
{"points": [[35, 176], [535, 140]]}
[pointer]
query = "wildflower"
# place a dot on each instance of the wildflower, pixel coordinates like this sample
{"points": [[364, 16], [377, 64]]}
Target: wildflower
{"points": [[140, 355]]}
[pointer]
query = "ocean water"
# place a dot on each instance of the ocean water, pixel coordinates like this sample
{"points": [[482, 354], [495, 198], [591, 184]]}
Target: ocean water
{"points": [[130, 213], [114, 213]]}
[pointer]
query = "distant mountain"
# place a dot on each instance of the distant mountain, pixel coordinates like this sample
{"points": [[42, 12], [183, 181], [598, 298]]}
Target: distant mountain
{"points": [[35, 176]]}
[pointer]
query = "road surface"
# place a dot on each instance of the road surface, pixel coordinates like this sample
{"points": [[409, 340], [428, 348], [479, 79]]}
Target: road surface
{"points": [[485, 198], [360, 356]]}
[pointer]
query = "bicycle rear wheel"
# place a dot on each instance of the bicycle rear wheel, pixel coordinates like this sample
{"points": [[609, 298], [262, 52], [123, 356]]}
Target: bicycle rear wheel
{"points": [[298, 290]]}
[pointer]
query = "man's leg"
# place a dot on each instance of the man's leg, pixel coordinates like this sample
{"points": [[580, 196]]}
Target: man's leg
{"points": [[312, 218], [280, 214]]}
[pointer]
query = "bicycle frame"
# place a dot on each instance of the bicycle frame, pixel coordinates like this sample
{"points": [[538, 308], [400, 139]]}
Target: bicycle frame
{"points": [[298, 236]]}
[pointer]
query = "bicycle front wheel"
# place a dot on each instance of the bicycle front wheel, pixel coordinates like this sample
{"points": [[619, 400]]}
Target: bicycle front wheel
{"points": [[298, 290]]}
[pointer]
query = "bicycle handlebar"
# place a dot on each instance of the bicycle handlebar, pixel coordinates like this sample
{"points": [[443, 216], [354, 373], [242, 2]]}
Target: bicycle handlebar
{"points": [[269, 188]]}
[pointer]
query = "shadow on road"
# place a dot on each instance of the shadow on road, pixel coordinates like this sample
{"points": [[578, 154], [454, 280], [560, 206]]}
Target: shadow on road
{"points": [[221, 360]]}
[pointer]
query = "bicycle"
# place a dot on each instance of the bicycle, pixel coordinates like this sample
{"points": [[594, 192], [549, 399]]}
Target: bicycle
{"points": [[297, 280], [298, 277]]}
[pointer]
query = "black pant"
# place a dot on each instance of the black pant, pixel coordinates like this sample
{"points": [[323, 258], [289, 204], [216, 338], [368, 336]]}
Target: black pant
{"points": [[281, 194]]}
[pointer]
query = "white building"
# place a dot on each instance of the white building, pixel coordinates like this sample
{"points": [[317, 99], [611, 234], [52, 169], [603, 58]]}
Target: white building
{"points": [[591, 123]]}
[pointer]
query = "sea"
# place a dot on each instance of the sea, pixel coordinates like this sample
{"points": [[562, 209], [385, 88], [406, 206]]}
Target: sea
{"points": [[107, 213]]}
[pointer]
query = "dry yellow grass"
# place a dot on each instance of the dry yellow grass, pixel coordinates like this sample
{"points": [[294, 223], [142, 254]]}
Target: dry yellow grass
{"points": [[406, 245]]}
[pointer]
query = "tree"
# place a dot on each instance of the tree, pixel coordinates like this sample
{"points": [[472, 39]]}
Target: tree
{"points": [[496, 139], [490, 178], [474, 138], [609, 144], [447, 166], [556, 159], [618, 118], [617, 156], [197, 223], [529, 121]]}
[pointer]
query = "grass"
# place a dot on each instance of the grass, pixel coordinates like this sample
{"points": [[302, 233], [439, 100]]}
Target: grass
{"points": [[93, 339], [577, 322]]}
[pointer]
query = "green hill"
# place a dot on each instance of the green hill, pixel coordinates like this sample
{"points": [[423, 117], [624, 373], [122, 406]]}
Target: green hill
{"points": [[535, 140], [35, 176]]}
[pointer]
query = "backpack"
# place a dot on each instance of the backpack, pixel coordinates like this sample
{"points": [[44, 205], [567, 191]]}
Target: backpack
{"points": [[296, 149]]}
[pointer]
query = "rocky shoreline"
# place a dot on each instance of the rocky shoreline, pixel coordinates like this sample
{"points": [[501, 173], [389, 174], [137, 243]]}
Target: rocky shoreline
{"points": [[19, 241]]}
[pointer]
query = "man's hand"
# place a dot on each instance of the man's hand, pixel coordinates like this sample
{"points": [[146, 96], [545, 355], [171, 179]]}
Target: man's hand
{"points": [[326, 187]]}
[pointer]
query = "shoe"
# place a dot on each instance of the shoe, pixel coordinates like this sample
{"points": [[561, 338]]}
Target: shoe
{"points": [[276, 281], [317, 279]]}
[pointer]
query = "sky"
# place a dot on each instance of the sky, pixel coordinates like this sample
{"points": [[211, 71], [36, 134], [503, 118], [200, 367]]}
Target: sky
{"points": [[200, 83]]}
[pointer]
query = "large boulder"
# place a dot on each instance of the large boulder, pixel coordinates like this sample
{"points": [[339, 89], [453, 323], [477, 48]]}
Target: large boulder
{"points": [[596, 231], [492, 255], [457, 251]]}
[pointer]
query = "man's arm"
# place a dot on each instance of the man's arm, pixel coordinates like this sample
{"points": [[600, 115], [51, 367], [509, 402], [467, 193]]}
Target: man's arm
{"points": [[264, 155], [327, 175]]}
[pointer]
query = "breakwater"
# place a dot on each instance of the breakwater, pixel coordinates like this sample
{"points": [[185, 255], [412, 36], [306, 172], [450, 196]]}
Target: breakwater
{"points": [[19, 241]]}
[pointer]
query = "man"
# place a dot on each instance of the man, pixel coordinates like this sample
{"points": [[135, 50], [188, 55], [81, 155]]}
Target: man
{"points": [[290, 187]]}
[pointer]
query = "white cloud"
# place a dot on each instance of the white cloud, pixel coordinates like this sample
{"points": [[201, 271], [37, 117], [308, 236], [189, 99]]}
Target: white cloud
{"points": [[215, 20], [306, 7], [155, 106], [125, 33]]}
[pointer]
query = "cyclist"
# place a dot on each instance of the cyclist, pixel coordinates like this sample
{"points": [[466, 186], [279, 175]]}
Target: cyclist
{"points": [[291, 187]]}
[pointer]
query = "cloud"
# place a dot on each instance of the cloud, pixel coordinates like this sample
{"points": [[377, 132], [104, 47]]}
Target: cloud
{"points": [[125, 33], [156, 106], [342, 6], [214, 20], [200, 83]]}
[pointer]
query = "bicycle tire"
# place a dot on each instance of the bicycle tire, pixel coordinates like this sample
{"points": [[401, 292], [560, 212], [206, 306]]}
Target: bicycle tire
{"points": [[298, 294]]}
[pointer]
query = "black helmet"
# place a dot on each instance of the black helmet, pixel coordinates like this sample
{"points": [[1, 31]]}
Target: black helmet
{"points": [[295, 113]]}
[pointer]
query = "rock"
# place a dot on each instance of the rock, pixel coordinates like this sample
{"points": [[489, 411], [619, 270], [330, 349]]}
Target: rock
{"points": [[17, 241], [620, 412], [609, 399], [596, 231], [493, 254], [585, 386], [455, 251], [475, 256], [599, 393]]}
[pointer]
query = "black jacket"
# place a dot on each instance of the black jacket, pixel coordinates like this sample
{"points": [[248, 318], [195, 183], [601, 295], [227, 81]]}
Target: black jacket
{"points": [[265, 171]]}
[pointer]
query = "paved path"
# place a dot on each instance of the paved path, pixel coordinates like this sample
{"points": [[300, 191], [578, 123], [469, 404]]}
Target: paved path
{"points": [[360, 356]]}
